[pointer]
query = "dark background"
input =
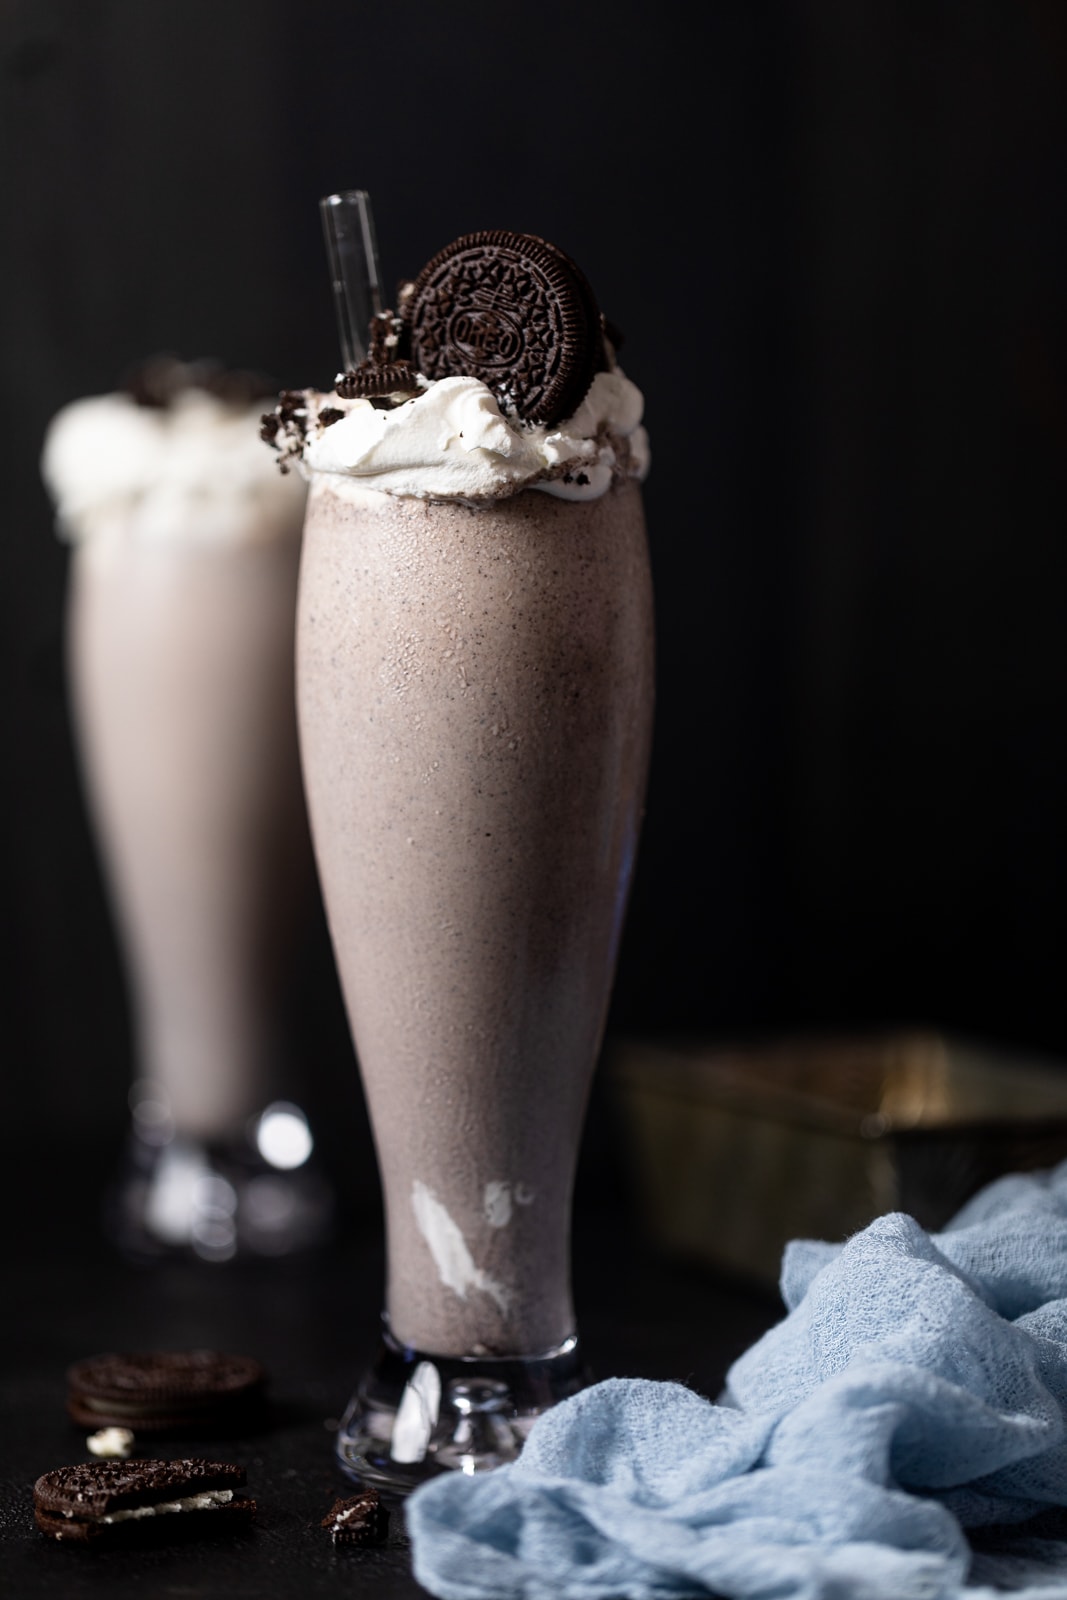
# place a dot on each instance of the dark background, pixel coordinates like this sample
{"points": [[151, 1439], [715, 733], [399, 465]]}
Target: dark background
{"points": [[833, 232]]}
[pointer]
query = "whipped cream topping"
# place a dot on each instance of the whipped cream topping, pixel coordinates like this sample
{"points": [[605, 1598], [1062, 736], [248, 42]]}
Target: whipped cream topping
{"points": [[192, 470], [452, 442]]}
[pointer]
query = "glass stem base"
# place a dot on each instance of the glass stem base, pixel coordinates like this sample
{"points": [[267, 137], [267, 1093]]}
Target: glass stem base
{"points": [[415, 1415]]}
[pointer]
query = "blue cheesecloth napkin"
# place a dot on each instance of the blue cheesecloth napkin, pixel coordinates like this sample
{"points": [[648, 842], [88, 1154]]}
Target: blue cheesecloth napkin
{"points": [[916, 1389]]}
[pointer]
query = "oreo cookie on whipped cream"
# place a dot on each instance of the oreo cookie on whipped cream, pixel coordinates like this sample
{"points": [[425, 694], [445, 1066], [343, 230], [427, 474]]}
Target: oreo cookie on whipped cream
{"points": [[116, 1502], [512, 310], [496, 373]]}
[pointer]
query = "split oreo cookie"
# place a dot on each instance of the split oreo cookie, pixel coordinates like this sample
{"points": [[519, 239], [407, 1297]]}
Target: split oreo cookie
{"points": [[166, 1391], [116, 1502], [369, 381], [360, 1519], [514, 311]]}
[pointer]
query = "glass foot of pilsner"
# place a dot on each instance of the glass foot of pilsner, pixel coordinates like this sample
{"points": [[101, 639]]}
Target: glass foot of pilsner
{"points": [[415, 1415]]}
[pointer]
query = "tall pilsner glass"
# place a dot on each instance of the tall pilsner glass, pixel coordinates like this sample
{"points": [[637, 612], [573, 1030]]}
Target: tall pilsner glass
{"points": [[474, 690], [180, 630]]}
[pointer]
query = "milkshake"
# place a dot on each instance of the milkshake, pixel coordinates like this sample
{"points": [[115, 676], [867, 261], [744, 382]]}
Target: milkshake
{"points": [[474, 675], [180, 636]]}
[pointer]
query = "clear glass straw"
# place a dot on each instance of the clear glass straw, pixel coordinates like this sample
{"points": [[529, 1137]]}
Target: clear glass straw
{"points": [[352, 249]]}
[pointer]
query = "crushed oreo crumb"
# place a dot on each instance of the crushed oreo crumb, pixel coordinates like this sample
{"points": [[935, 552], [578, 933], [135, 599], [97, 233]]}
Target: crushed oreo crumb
{"points": [[361, 1519], [290, 412], [329, 415], [383, 338], [157, 383], [154, 384], [290, 419], [237, 389]]}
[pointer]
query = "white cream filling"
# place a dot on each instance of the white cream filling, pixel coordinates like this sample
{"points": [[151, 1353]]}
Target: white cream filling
{"points": [[190, 1502]]}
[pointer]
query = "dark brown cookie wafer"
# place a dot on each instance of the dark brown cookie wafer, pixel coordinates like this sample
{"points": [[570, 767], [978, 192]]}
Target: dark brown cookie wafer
{"points": [[119, 1501], [384, 338], [234, 387], [165, 1391], [514, 311], [234, 1517], [361, 1519], [369, 380], [158, 382]]}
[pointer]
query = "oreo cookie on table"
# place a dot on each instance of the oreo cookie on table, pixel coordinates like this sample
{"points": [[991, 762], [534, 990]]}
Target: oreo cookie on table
{"points": [[512, 310], [117, 1502], [359, 1519], [166, 1391]]}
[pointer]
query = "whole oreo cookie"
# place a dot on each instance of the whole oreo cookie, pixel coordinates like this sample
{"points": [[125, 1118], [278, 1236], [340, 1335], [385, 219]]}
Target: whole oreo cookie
{"points": [[119, 1501], [514, 311], [166, 1391]]}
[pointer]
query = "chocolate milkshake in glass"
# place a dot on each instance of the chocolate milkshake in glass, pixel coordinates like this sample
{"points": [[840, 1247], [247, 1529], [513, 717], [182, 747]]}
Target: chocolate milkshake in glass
{"points": [[180, 635], [474, 686]]}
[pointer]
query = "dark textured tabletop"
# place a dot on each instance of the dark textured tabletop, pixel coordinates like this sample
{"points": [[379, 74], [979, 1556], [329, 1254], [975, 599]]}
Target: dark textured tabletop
{"points": [[314, 1324]]}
